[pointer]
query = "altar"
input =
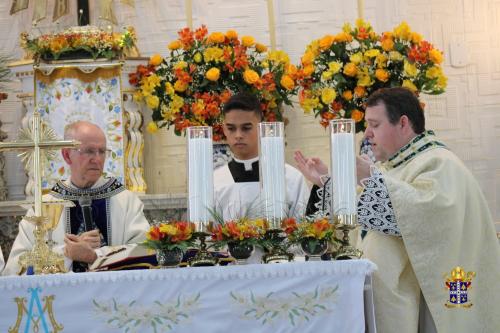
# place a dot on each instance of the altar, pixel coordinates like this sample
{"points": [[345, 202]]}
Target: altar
{"points": [[293, 297]]}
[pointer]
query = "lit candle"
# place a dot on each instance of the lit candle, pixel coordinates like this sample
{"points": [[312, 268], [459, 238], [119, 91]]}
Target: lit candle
{"points": [[272, 172], [343, 162], [200, 176]]}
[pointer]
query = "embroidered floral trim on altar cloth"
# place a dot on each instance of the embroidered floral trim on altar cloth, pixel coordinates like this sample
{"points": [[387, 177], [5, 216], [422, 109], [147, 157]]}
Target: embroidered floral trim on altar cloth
{"points": [[375, 210], [422, 142], [108, 189], [296, 308], [136, 317]]}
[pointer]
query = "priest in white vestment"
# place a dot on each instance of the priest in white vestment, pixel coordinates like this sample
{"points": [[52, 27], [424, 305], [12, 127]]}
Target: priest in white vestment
{"points": [[236, 184], [117, 214], [425, 215]]}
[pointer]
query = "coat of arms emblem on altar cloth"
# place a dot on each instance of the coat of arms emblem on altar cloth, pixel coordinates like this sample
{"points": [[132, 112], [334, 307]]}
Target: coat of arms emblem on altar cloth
{"points": [[458, 284]]}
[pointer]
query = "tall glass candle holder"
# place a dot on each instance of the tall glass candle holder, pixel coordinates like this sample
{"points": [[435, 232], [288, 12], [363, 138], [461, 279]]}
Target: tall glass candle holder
{"points": [[200, 176], [343, 184], [272, 172]]}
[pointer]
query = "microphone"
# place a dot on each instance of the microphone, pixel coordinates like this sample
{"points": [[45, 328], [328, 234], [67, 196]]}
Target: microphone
{"points": [[85, 204]]}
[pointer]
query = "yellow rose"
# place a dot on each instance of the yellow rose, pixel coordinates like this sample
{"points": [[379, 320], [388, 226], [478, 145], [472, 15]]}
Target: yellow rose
{"points": [[176, 44], [347, 95], [152, 102], [364, 80], [395, 56], [213, 74], [382, 75], [372, 53], [436, 56], [287, 82], [180, 86], [327, 75], [152, 127], [350, 69], [260, 47], [169, 89], [155, 60], [334, 67], [250, 76], [416, 37], [279, 57], [381, 60], [231, 34], [247, 41], [442, 81], [356, 58], [402, 31], [326, 42], [433, 72], [328, 95], [197, 57], [180, 65], [213, 54], [408, 84], [347, 28], [410, 70], [216, 37], [137, 96]]}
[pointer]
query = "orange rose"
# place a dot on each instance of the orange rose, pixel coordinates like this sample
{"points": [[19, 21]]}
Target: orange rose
{"points": [[347, 95], [231, 34], [287, 82], [250, 76], [213, 74], [176, 44], [350, 69], [382, 75], [326, 42], [247, 41], [357, 115], [308, 70], [216, 37], [180, 86], [155, 60], [260, 47], [359, 91]]}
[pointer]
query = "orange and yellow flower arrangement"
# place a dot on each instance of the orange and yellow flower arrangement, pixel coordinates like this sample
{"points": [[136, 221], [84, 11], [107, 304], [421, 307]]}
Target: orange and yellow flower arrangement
{"points": [[203, 70], [338, 72], [170, 235]]}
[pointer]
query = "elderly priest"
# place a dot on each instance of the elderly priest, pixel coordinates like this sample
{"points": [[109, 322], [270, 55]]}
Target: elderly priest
{"points": [[112, 215]]}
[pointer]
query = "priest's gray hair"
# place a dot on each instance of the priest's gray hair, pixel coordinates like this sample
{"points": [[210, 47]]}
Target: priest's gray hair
{"points": [[71, 129]]}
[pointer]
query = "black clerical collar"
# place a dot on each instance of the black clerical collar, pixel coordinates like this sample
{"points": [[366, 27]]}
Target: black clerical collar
{"points": [[241, 174], [111, 187]]}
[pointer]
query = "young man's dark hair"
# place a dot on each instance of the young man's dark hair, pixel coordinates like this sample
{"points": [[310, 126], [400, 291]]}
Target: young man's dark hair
{"points": [[245, 102], [400, 102]]}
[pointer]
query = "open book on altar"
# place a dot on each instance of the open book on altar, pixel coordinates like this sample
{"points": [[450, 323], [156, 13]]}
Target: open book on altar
{"points": [[136, 256], [121, 257]]}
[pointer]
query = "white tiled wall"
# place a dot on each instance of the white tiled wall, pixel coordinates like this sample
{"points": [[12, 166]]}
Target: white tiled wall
{"points": [[467, 116]]}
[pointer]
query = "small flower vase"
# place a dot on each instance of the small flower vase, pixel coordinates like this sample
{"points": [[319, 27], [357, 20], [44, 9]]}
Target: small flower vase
{"points": [[169, 258], [240, 251], [314, 248]]}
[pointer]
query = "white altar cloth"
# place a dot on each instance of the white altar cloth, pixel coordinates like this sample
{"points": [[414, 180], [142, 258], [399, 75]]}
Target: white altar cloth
{"points": [[292, 297]]}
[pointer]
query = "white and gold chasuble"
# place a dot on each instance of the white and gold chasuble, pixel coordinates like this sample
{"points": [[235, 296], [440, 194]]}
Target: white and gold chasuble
{"points": [[443, 221]]}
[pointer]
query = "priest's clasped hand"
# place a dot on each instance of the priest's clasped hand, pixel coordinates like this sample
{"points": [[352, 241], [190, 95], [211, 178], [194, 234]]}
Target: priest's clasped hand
{"points": [[81, 248]]}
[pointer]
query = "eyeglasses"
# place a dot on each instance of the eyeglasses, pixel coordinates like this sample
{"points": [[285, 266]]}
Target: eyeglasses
{"points": [[91, 152]]}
